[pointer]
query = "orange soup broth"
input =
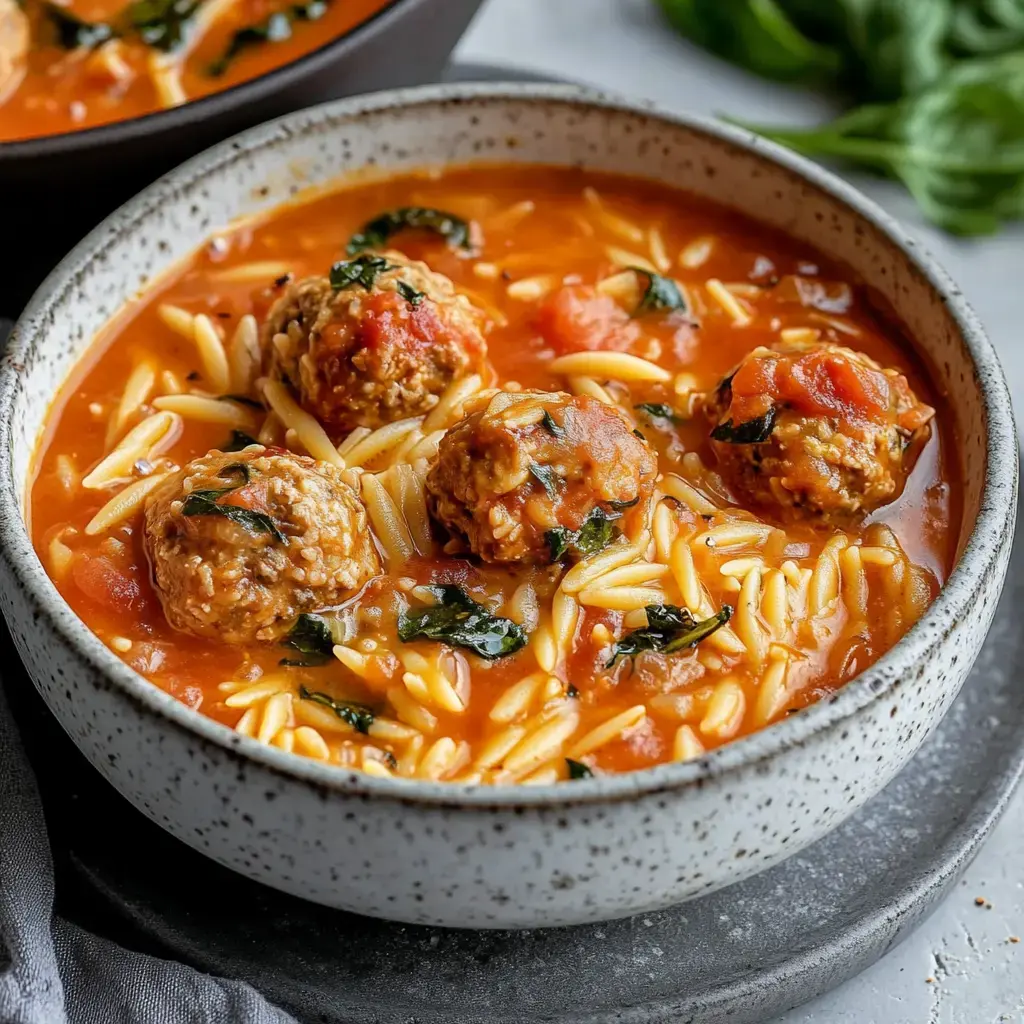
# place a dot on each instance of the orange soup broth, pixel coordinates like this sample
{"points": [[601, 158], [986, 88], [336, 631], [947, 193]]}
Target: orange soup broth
{"points": [[561, 236], [65, 91]]}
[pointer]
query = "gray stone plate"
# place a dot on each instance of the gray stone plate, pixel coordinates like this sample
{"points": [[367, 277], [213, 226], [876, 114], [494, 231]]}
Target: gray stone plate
{"points": [[739, 955]]}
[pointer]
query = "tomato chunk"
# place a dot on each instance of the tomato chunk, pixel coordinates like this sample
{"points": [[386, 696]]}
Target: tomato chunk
{"points": [[577, 318], [103, 582]]}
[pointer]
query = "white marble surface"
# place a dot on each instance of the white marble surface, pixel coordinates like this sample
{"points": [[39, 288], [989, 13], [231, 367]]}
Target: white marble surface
{"points": [[977, 974]]}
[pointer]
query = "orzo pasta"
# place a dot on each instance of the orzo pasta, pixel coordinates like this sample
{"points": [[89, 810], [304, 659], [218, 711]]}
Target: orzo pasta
{"points": [[535, 475]]}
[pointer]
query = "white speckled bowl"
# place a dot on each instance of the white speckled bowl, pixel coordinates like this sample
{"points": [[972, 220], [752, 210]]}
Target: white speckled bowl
{"points": [[485, 857]]}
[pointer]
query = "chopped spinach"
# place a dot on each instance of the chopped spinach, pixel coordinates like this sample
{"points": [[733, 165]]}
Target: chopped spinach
{"points": [[669, 629], [362, 270], [359, 716], [73, 33], [237, 474], [239, 440], [375, 233], [413, 297], [639, 434], [596, 533], [311, 637], [660, 411], [274, 29], [755, 431], [548, 423], [571, 691], [204, 503], [547, 478], [458, 620], [243, 400], [662, 294], [578, 770], [164, 24]]}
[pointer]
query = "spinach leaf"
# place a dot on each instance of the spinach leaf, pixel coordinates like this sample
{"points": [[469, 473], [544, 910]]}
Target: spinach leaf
{"points": [[756, 34], [273, 29], [163, 24], [755, 431], [548, 423], [621, 506], [375, 233], [359, 716], [239, 439], [660, 411], [237, 474], [362, 270], [547, 478], [578, 770], [204, 503], [661, 294], [311, 637], [669, 629], [596, 533], [460, 621], [957, 146], [413, 297], [242, 400], [73, 33]]}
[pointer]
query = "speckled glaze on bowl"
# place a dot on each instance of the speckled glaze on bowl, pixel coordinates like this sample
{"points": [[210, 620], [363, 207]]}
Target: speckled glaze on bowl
{"points": [[511, 857]]}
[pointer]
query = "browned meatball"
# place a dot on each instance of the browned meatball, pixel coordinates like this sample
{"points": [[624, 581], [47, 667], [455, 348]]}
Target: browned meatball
{"points": [[242, 543], [816, 430], [512, 478], [381, 347]]}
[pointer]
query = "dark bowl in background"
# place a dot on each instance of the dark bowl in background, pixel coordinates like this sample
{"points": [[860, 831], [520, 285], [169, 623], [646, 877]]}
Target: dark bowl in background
{"points": [[54, 189]]}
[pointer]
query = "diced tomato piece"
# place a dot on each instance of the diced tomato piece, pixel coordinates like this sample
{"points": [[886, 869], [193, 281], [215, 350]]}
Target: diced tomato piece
{"points": [[103, 582], [818, 383], [577, 318]]}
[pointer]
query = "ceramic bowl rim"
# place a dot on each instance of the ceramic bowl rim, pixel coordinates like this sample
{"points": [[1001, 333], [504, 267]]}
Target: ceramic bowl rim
{"points": [[244, 93], [979, 557]]}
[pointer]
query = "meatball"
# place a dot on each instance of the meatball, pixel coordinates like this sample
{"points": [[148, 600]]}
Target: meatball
{"points": [[242, 543], [381, 347], [532, 466], [816, 430]]}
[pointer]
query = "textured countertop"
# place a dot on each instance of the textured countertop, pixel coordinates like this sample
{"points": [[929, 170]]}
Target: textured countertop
{"points": [[961, 966]]}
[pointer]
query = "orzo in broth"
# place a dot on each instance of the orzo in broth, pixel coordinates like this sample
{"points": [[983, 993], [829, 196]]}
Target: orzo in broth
{"points": [[499, 475]]}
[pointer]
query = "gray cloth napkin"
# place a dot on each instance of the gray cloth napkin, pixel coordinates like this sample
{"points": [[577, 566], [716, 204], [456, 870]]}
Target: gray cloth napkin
{"points": [[54, 972]]}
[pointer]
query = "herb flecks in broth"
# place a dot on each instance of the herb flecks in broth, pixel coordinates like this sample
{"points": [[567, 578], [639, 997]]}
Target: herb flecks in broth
{"points": [[483, 527]]}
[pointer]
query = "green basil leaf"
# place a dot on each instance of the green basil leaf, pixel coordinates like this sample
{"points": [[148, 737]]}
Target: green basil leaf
{"points": [[662, 294], [363, 270], [204, 503], [549, 424], [376, 233], [755, 431], [669, 629], [458, 620], [547, 478], [558, 540], [311, 637], [73, 33], [359, 716], [578, 770], [413, 297], [163, 24], [659, 411], [596, 533]]}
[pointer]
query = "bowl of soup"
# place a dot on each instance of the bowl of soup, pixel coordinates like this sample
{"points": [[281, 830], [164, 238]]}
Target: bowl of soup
{"points": [[98, 97], [556, 509]]}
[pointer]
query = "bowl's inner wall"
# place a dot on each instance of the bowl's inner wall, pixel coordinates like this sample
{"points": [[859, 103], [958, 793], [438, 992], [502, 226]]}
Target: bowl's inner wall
{"points": [[277, 163]]}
